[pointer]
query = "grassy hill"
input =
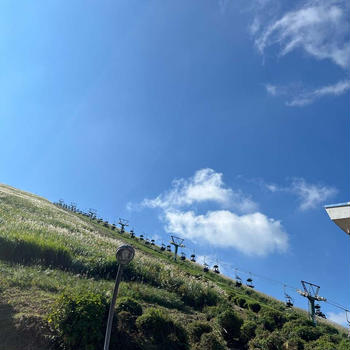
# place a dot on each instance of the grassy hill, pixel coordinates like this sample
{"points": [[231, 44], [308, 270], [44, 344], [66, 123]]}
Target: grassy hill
{"points": [[57, 270]]}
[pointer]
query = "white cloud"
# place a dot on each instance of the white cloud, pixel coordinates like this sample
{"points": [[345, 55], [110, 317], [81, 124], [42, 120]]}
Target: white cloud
{"points": [[205, 186], [318, 27], [252, 233], [337, 317], [309, 195]]}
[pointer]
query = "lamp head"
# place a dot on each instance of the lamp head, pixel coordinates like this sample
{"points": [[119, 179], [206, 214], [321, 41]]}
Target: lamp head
{"points": [[125, 254]]}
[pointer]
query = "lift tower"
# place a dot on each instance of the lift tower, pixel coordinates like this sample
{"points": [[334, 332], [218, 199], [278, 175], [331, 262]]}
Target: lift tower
{"points": [[311, 293], [123, 223], [176, 242]]}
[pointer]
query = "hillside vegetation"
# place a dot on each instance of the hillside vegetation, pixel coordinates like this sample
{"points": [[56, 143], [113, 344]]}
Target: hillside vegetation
{"points": [[57, 270]]}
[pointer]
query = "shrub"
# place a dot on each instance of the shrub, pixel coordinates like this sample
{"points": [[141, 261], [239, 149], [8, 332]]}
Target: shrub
{"points": [[254, 306], [197, 296], [242, 302], [231, 325], [307, 333], [271, 319], [130, 305], [247, 331], [324, 342], [196, 330], [268, 341], [210, 341], [162, 331], [80, 320]]}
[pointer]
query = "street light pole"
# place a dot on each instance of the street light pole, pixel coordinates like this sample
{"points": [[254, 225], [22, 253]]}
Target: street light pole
{"points": [[124, 255]]}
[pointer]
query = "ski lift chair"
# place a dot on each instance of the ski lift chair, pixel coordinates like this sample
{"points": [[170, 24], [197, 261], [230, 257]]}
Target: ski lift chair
{"points": [[168, 248], [238, 281], [162, 248], [250, 282], [152, 242], [216, 269], [289, 301], [206, 267], [193, 258], [141, 238], [183, 256]]}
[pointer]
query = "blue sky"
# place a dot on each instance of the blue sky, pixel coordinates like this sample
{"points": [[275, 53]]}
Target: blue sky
{"points": [[225, 122]]}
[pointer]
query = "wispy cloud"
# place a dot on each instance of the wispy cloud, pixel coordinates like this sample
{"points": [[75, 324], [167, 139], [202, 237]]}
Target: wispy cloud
{"points": [[318, 27], [297, 98], [235, 224], [309, 195]]}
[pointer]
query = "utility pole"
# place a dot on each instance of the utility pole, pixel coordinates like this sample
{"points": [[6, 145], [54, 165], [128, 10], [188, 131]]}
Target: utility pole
{"points": [[311, 293], [123, 223], [176, 242]]}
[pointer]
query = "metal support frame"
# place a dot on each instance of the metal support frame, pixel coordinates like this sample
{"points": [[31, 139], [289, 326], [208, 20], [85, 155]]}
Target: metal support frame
{"points": [[123, 223], [176, 242], [311, 293]]}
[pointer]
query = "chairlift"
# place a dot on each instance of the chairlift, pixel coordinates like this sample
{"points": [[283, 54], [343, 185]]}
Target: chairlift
{"points": [[168, 248], [206, 267], [162, 247], [250, 282], [319, 313], [183, 256], [238, 279], [141, 238], [216, 268], [152, 242], [317, 307], [147, 241], [105, 224], [289, 299], [132, 233], [193, 258]]}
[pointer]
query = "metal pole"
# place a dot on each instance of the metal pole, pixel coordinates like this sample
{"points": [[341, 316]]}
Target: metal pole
{"points": [[175, 252], [312, 310], [111, 307]]}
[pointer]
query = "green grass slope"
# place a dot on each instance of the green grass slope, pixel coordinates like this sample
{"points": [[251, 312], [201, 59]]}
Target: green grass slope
{"points": [[57, 271]]}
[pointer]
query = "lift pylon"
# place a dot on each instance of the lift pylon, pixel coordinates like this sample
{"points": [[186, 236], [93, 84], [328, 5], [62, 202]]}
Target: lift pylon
{"points": [[176, 242], [311, 293], [123, 223]]}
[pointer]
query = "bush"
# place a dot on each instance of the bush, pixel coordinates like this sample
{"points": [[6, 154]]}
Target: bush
{"points": [[254, 306], [162, 331], [271, 319], [268, 341], [307, 333], [210, 341], [196, 330], [80, 320], [247, 331], [242, 302], [197, 296], [130, 305], [231, 325]]}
